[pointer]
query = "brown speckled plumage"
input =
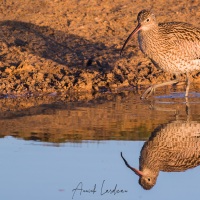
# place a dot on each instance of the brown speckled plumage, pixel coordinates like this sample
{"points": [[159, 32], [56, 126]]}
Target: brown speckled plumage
{"points": [[174, 147], [174, 46]]}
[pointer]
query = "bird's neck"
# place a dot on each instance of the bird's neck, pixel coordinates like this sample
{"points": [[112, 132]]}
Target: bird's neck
{"points": [[151, 29], [150, 172], [148, 38]]}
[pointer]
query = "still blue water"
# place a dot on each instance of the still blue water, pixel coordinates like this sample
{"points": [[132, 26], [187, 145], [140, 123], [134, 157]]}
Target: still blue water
{"points": [[35, 170]]}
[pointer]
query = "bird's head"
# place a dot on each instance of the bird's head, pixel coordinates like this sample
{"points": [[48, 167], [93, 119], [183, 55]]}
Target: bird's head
{"points": [[146, 21], [147, 178]]}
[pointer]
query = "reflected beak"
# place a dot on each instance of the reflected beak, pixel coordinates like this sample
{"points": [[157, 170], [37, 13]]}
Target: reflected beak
{"points": [[136, 171], [134, 32]]}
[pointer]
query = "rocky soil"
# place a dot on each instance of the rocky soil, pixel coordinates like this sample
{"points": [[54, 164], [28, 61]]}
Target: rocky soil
{"points": [[61, 46]]}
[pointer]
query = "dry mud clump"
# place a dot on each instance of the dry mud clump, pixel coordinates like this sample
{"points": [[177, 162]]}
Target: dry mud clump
{"points": [[59, 46]]}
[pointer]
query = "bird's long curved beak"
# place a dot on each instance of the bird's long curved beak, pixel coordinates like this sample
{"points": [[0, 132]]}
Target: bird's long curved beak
{"points": [[137, 172], [133, 32]]}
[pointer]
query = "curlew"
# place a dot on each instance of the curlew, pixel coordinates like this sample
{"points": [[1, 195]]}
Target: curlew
{"points": [[172, 46], [174, 147]]}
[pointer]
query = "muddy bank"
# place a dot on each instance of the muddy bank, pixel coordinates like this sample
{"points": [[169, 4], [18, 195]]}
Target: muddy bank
{"points": [[61, 46]]}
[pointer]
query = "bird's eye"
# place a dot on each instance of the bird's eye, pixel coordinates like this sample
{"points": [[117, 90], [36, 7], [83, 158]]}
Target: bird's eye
{"points": [[149, 179], [148, 20]]}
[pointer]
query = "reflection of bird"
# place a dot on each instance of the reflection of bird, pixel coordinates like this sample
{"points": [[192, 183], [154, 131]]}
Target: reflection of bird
{"points": [[173, 46], [171, 148]]}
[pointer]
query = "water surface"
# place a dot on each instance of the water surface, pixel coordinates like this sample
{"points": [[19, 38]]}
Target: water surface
{"points": [[71, 150]]}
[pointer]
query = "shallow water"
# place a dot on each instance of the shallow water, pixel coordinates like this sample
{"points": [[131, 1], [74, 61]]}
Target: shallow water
{"points": [[71, 150]]}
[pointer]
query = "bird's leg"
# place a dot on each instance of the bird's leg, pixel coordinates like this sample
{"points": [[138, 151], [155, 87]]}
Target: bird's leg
{"points": [[187, 109], [152, 88], [187, 84], [186, 96]]}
